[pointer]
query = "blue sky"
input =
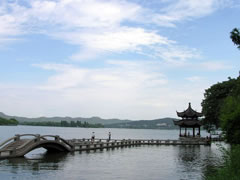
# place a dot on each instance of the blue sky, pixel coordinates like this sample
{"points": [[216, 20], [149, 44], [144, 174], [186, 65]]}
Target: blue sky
{"points": [[135, 59]]}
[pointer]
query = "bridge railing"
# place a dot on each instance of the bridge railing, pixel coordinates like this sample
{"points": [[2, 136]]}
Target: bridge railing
{"points": [[7, 141], [97, 140], [15, 138]]}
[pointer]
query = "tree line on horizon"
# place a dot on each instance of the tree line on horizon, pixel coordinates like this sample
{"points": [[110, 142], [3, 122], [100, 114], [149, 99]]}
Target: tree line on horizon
{"points": [[14, 122], [63, 124], [11, 121]]}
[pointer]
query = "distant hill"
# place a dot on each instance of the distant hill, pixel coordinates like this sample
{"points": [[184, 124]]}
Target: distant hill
{"points": [[164, 123], [92, 120]]}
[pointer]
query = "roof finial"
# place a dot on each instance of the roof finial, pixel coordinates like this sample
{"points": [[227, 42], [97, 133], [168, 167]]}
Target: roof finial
{"points": [[189, 104]]}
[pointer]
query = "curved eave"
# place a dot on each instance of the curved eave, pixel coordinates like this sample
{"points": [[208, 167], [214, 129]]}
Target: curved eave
{"points": [[188, 123]]}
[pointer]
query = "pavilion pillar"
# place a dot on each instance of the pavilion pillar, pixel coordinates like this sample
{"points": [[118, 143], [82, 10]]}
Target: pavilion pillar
{"points": [[194, 132], [199, 132], [185, 132], [180, 131]]}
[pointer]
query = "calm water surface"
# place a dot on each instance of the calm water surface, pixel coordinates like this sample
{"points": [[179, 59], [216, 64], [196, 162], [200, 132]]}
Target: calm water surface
{"points": [[135, 163]]}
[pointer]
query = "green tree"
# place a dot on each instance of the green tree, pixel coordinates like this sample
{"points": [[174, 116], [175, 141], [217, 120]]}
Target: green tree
{"points": [[64, 124], [13, 121], [73, 124], [230, 119], [213, 100], [79, 124], [4, 121], [235, 36], [230, 114]]}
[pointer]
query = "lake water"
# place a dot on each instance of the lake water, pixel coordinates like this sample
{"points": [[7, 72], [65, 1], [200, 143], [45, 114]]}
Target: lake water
{"points": [[132, 163]]}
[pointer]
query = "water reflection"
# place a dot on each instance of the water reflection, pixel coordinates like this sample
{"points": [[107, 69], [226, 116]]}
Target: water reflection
{"points": [[46, 161], [191, 159], [215, 158]]}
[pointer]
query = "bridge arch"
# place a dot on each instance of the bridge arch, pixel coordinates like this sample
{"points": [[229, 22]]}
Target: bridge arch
{"points": [[18, 146], [50, 146]]}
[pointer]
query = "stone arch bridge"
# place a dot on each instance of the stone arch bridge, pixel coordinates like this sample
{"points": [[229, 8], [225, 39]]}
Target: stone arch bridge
{"points": [[19, 145]]}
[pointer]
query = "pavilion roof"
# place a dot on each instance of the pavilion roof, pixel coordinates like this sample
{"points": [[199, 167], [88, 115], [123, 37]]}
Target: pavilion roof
{"points": [[189, 113]]}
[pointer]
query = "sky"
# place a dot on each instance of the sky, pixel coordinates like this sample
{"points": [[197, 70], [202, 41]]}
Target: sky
{"points": [[126, 59]]}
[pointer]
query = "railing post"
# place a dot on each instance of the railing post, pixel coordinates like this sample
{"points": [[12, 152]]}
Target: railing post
{"points": [[37, 138], [88, 147], [17, 137], [57, 138]]}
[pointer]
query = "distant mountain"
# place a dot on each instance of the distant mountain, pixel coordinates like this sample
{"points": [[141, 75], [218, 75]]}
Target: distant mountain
{"points": [[164, 123], [92, 120]]}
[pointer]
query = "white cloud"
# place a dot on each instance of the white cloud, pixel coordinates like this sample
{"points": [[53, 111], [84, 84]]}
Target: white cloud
{"points": [[85, 54], [182, 10], [125, 89], [9, 28], [122, 76], [109, 90], [197, 64], [214, 65], [141, 103], [194, 79], [121, 39], [176, 55], [103, 26], [54, 66], [84, 13]]}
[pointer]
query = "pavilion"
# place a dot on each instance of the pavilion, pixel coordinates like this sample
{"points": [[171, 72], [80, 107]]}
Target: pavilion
{"points": [[189, 120]]}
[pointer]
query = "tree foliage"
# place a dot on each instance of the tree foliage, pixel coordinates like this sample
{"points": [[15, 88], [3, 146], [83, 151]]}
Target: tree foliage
{"points": [[213, 101], [4, 121], [235, 36], [230, 114], [221, 108], [230, 119]]}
